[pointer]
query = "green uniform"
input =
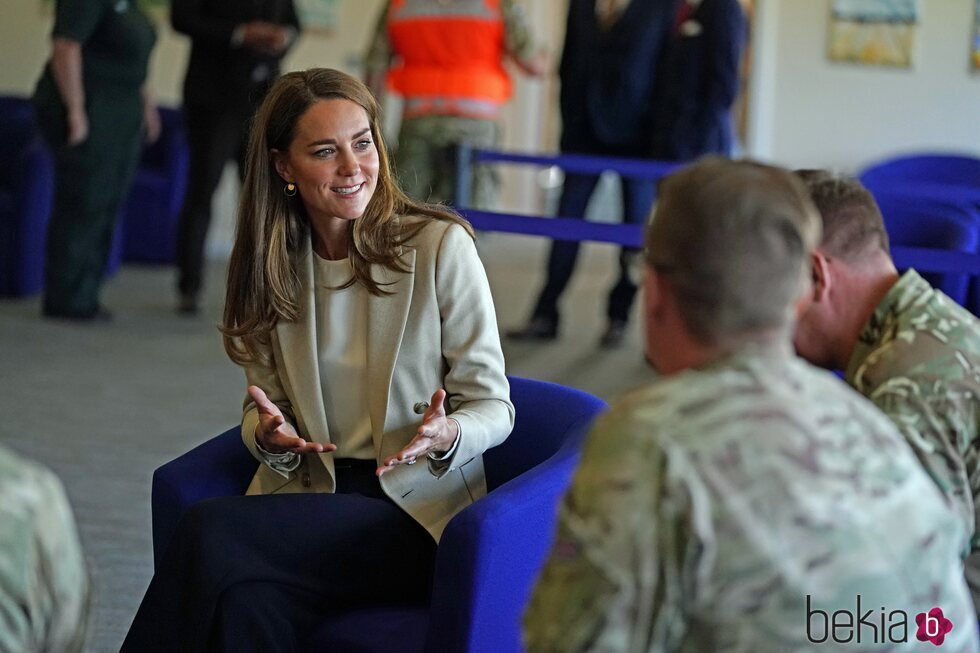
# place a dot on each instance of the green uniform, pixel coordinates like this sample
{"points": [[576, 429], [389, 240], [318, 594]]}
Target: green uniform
{"points": [[91, 179], [918, 360], [44, 587], [424, 160], [738, 507]]}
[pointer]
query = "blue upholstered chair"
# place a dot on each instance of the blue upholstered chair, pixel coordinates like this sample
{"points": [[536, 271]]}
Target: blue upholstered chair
{"points": [[932, 222], [26, 195], [149, 214], [942, 176], [489, 555], [946, 168]]}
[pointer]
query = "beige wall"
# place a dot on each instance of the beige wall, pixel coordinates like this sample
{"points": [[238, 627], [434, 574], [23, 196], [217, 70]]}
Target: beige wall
{"points": [[807, 111]]}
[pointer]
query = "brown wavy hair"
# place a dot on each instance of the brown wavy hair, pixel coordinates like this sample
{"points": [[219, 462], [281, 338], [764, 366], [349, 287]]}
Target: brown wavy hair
{"points": [[263, 276]]}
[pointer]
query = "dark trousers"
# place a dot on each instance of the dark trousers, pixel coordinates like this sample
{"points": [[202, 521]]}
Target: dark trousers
{"points": [[91, 180], [259, 573], [638, 197], [214, 137]]}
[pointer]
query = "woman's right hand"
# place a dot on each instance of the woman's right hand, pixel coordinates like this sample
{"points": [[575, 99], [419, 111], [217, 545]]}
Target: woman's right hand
{"points": [[274, 434], [77, 127]]}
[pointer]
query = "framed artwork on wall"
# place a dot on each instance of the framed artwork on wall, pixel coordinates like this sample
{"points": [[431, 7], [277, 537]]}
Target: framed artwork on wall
{"points": [[874, 32], [318, 15], [975, 49]]}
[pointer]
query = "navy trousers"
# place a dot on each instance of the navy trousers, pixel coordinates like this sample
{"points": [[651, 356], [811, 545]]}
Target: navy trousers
{"points": [[259, 573], [638, 197]]}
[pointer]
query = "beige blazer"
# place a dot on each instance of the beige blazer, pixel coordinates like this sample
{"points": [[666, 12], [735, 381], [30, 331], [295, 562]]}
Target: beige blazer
{"points": [[437, 329]]}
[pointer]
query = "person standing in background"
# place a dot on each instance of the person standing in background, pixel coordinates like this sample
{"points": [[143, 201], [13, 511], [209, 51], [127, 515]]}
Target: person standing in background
{"points": [[608, 75], [698, 81], [448, 65], [236, 50], [92, 105], [45, 594]]}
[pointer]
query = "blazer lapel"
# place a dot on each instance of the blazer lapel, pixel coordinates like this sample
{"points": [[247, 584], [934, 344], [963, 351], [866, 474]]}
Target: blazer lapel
{"points": [[386, 317], [298, 341]]}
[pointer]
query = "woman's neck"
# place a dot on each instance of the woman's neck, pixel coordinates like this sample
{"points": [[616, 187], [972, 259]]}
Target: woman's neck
{"points": [[331, 238]]}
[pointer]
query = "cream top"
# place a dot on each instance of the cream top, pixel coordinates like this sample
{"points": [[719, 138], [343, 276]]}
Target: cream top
{"points": [[341, 341]]}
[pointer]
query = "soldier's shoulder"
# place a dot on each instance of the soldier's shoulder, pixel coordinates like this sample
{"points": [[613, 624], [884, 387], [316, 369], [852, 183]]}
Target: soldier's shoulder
{"points": [[25, 484]]}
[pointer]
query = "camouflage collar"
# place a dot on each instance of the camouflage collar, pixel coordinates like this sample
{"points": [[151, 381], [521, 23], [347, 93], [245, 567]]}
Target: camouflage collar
{"points": [[908, 290], [777, 347]]}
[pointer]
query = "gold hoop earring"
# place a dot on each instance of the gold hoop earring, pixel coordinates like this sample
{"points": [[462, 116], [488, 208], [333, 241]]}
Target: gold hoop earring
{"points": [[290, 189]]}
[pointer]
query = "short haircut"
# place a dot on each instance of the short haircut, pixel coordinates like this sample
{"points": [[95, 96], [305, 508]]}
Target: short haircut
{"points": [[852, 222], [734, 239]]}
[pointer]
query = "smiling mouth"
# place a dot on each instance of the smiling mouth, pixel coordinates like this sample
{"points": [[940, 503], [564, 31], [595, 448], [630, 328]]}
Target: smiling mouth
{"points": [[347, 190]]}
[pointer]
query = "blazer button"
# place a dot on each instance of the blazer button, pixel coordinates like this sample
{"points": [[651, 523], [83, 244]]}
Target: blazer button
{"points": [[420, 407], [306, 479]]}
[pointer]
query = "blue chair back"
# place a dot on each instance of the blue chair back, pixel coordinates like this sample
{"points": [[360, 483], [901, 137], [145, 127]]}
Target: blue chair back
{"points": [[26, 197], [941, 168], [544, 416], [930, 223], [151, 211]]}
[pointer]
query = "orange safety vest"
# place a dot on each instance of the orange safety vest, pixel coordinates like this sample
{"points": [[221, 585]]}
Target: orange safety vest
{"points": [[449, 57]]}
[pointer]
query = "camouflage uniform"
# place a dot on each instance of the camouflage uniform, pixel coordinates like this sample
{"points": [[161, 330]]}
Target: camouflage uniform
{"points": [[424, 160], [709, 505], [918, 360], [44, 587]]}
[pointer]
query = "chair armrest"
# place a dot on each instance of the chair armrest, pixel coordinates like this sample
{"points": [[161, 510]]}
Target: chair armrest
{"points": [[491, 553], [220, 467]]}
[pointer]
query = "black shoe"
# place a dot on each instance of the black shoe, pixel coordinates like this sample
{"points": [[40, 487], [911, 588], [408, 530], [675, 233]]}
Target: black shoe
{"points": [[614, 334], [187, 305], [539, 328]]}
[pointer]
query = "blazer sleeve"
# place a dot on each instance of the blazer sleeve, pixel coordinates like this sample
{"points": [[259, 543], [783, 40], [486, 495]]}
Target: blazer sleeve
{"points": [[187, 17], [266, 377], [477, 389]]}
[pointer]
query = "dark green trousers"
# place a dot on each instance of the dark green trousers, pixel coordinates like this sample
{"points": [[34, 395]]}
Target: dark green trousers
{"points": [[91, 180]]}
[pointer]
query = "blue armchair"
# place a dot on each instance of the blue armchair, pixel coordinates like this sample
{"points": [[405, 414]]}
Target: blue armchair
{"points": [[26, 195], [150, 212], [945, 177], [917, 221], [949, 168], [489, 555]]}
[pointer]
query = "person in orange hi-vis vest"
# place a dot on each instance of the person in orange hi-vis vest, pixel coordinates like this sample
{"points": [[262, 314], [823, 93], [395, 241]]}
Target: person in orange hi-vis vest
{"points": [[445, 58]]}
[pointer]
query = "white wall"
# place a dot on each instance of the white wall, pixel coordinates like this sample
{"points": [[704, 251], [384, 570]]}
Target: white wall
{"points": [[808, 111], [25, 45]]}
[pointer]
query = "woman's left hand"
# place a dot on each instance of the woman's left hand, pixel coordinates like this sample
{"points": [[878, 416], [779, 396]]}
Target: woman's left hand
{"points": [[436, 433]]}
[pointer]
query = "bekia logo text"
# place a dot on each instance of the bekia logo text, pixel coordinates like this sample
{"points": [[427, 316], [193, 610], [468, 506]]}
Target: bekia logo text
{"points": [[873, 626]]}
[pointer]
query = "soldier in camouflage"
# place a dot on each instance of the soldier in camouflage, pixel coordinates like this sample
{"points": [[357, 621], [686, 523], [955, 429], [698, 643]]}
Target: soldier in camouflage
{"points": [[433, 124], [746, 501], [44, 588], [903, 344]]}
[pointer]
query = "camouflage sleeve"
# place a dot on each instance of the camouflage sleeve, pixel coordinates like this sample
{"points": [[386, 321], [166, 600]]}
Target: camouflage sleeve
{"points": [[517, 34], [605, 585], [934, 426], [64, 572], [379, 54]]}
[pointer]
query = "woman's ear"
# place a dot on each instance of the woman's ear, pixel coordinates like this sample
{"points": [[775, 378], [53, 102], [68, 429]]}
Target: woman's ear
{"points": [[281, 162]]}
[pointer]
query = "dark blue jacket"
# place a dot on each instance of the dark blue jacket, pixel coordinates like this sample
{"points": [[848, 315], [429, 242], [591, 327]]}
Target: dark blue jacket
{"points": [[607, 78], [698, 81]]}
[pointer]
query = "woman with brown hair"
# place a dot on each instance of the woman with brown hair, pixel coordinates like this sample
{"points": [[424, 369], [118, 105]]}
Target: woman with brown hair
{"points": [[365, 325]]}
